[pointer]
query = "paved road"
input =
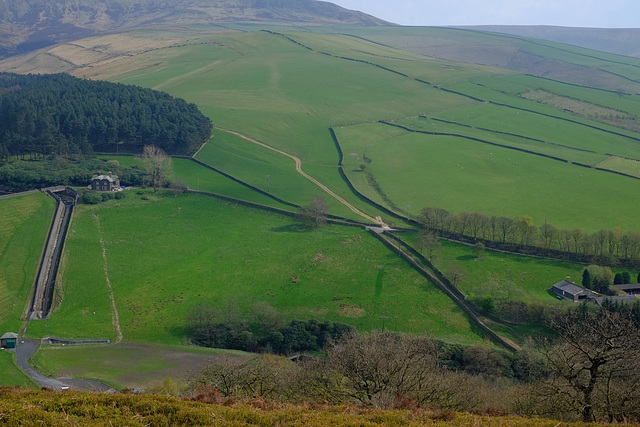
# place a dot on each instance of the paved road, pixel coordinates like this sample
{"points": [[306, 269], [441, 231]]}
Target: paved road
{"points": [[27, 348]]}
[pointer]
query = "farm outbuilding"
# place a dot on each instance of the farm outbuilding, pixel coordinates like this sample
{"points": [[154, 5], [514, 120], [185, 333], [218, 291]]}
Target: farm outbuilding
{"points": [[570, 290], [629, 288], [624, 299], [9, 340], [108, 182]]}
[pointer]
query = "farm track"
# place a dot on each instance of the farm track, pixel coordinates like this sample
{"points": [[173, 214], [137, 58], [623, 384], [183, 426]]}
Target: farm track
{"points": [[114, 309], [298, 163]]}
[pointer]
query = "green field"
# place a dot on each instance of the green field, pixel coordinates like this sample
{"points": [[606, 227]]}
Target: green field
{"points": [[511, 277], [160, 255], [125, 365], [274, 90], [11, 375], [188, 250], [465, 176], [23, 232]]}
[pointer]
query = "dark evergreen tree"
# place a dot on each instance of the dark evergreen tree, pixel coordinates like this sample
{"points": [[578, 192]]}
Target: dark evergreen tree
{"points": [[586, 279], [617, 279], [626, 277]]}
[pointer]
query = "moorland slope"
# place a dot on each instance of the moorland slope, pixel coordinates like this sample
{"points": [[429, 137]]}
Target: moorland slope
{"points": [[621, 41], [35, 23]]}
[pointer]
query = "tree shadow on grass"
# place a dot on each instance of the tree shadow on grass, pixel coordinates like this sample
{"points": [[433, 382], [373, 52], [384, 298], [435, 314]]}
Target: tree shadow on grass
{"points": [[292, 228], [466, 258]]}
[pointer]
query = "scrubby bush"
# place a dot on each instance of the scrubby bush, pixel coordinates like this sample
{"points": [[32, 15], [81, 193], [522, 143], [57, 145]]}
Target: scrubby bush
{"points": [[90, 198], [107, 196]]}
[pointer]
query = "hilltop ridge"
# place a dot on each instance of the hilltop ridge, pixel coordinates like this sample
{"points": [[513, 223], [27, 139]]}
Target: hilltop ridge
{"points": [[621, 41], [31, 24]]}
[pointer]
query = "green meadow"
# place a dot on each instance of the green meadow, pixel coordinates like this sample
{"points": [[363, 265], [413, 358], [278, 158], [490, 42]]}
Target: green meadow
{"points": [[188, 250], [269, 88], [160, 255], [511, 277], [11, 375], [201, 178], [461, 175], [23, 233]]}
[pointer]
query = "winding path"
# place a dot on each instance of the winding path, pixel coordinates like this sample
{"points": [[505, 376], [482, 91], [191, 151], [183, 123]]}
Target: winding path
{"points": [[377, 220]]}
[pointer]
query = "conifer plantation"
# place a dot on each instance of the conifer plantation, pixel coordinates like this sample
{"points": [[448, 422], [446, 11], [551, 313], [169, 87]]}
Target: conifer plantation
{"points": [[43, 115]]}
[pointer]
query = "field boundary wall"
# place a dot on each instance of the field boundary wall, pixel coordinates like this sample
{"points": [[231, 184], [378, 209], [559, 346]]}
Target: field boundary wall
{"points": [[457, 296]]}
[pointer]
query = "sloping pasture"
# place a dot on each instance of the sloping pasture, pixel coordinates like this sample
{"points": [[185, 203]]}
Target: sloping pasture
{"points": [[165, 255], [459, 175], [538, 57], [287, 89], [23, 232], [11, 375]]}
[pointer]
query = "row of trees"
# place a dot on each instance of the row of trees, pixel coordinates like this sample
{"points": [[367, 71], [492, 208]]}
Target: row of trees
{"points": [[264, 330], [155, 170], [522, 234], [591, 372], [24, 175], [62, 115]]}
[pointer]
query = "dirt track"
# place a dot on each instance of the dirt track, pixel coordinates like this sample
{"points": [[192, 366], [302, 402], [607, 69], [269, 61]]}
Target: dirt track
{"points": [[298, 163], [114, 309]]}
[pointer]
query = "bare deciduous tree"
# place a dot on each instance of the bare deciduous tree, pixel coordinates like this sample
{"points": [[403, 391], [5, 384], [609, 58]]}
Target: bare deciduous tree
{"points": [[158, 165], [455, 274], [314, 213], [428, 241], [382, 365], [595, 362], [248, 376]]}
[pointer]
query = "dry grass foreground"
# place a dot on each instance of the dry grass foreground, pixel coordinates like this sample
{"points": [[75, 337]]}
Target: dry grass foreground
{"points": [[44, 407]]}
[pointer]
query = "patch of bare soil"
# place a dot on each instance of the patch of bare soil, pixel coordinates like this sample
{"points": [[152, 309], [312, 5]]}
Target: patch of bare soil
{"points": [[352, 311], [179, 365]]}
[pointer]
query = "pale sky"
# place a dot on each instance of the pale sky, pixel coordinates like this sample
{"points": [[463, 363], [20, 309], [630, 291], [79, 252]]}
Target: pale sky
{"points": [[567, 13]]}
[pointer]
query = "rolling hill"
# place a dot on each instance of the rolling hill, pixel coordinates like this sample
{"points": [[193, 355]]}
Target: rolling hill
{"points": [[386, 119], [621, 41], [27, 25]]}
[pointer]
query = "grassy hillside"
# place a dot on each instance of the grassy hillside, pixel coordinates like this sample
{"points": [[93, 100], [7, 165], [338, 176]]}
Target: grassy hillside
{"points": [[188, 250], [35, 23], [621, 41], [460, 174], [11, 375], [414, 131], [557, 61], [287, 90], [23, 231], [126, 365]]}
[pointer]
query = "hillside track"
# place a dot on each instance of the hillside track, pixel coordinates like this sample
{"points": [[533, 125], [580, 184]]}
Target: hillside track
{"points": [[114, 309], [298, 164]]}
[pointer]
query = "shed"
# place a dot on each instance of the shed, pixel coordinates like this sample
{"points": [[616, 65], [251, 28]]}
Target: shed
{"points": [[108, 182], [570, 290], [629, 288], [624, 299], [9, 340]]}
